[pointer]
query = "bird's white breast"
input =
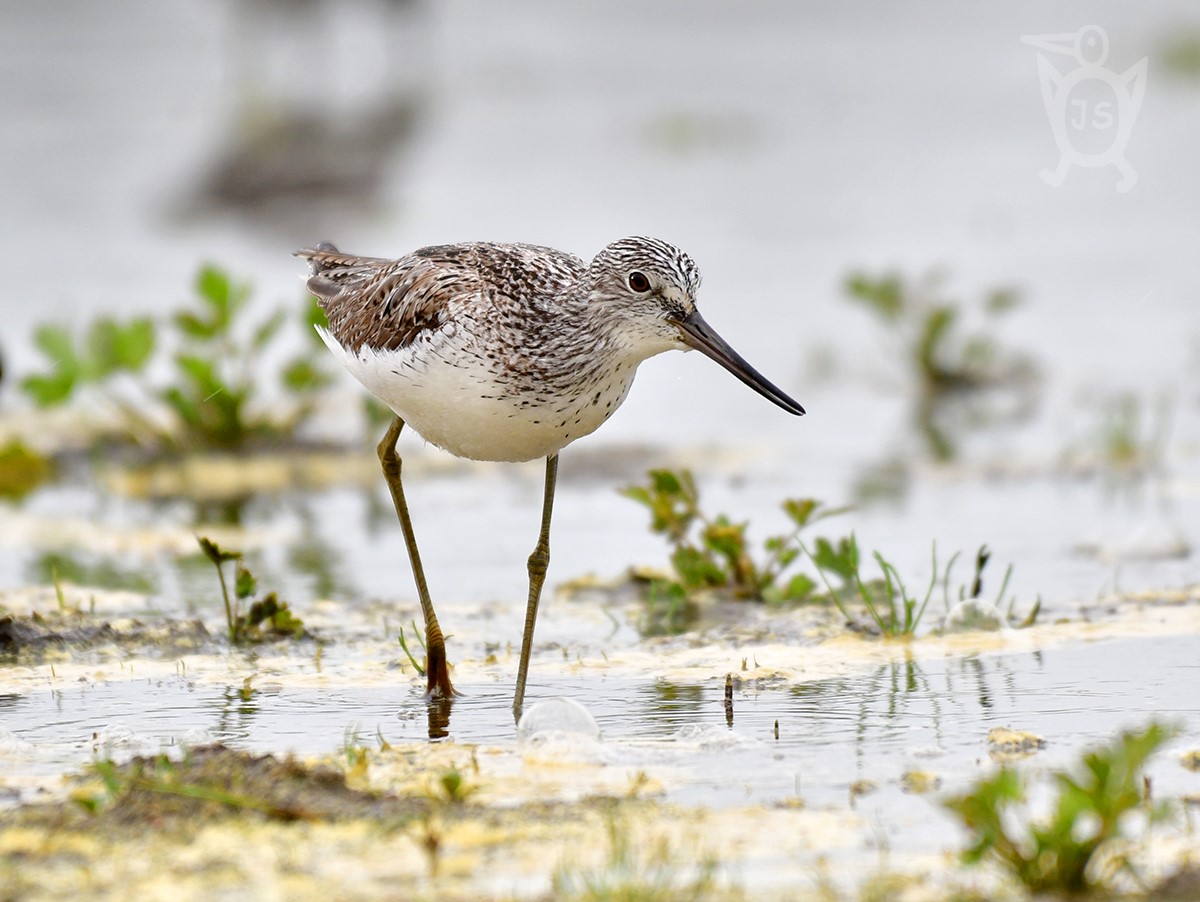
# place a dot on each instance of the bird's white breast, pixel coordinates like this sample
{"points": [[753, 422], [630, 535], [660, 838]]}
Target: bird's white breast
{"points": [[452, 398]]}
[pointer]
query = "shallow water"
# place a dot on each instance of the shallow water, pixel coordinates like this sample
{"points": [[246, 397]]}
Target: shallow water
{"points": [[927, 716]]}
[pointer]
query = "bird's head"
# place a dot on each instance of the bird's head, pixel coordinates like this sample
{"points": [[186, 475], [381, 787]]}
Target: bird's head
{"points": [[644, 290]]}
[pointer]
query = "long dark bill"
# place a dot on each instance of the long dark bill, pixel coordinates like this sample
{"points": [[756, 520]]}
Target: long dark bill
{"points": [[700, 335]]}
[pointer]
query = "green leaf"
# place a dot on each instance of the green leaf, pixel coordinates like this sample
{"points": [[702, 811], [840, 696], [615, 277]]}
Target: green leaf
{"points": [[112, 346], [841, 559], [194, 327], [214, 287], [262, 610], [48, 391], [100, 360], [786, 557], [696, 569], [667, 483], [135, 344], [214, 553], [183, 406], [66, 369], [883, 295], [200, 370], [245, 584], [929, 350], [799, 587], [283, 621], [981, 559], [223, 296], [56, 343], [800, 510], [669, 609], [302, 376], [638, 494], [725, 538], [268, 330]]}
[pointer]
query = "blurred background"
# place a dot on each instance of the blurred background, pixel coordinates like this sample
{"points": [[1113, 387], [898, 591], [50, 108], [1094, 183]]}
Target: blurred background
{"points": [[803, 154]]}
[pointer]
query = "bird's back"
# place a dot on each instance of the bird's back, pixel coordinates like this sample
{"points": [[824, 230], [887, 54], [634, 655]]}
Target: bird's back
{"points": [[470, 344], [387, 304]]}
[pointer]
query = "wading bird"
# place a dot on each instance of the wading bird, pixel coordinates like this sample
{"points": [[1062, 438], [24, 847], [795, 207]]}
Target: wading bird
{"points": [[508, 352]]}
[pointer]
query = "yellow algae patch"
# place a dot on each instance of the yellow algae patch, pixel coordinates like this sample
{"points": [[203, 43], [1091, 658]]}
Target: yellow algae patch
{"points": [[1005, 744], [920, 782]]}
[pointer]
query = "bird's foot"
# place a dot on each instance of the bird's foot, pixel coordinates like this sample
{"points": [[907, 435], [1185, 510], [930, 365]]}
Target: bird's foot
{"points": [[437, 672]]}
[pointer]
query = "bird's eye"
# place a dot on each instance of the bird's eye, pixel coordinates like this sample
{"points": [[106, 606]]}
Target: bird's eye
{"points": [[638, 282]]}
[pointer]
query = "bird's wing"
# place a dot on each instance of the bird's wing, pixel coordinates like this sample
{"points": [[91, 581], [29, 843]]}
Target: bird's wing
{"points": [[385, 304]]}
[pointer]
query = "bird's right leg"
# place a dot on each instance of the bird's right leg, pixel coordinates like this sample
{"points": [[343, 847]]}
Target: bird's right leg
{"points": [[435, 645]]}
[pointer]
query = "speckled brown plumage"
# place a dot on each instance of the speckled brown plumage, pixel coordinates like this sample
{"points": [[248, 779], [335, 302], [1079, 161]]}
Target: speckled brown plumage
{"points": [[387, 304]]}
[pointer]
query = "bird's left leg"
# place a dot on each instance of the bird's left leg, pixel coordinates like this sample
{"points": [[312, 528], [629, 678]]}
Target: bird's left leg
{"points": [[539, 563], [437, 671]]}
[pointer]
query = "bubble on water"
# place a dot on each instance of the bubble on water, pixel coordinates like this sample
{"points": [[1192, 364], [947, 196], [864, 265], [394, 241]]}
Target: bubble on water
{"points": [[196, 736], [927, 751], [559, 728], [561, 715], [120, 743], [117, 735], [973, 614]]}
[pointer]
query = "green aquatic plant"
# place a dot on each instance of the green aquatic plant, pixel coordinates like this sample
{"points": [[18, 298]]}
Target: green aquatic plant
{"points": [[408, 654], [105, 349], [1079, 847], [453, 787], [713, 552], [670, 609], [266, 618], [940, 352], [893, 610], [1129, 438], [213, 398]]}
